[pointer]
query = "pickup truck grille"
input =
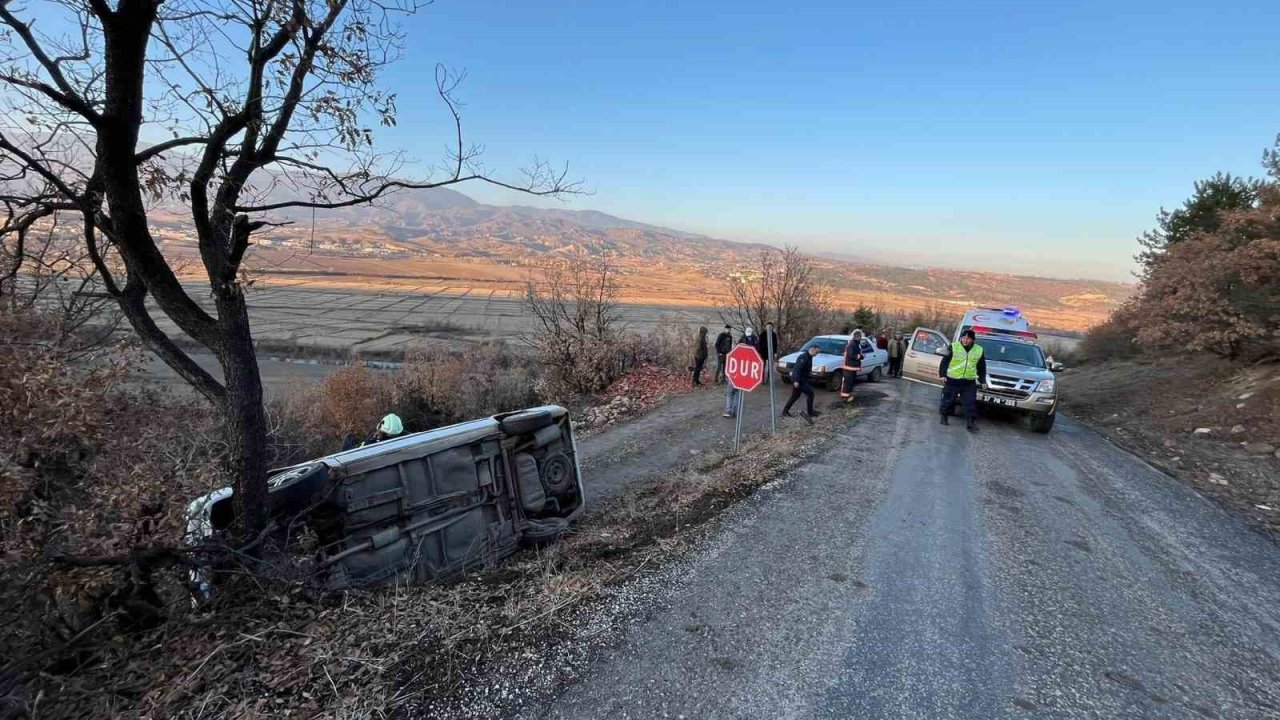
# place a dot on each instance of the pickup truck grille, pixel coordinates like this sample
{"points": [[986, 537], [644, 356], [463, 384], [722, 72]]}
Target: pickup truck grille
{"points": [[1009, 386]]}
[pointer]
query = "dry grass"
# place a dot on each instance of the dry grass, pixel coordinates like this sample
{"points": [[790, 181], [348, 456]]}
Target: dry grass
{"points": [[282, 651]]}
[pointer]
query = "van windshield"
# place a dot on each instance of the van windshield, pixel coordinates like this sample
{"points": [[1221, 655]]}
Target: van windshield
{"points": [[1012, 352]]}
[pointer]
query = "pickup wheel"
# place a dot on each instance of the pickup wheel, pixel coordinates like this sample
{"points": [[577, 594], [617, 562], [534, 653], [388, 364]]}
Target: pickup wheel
{"points": [[875, 374], [1042, 423], [833, 384]]}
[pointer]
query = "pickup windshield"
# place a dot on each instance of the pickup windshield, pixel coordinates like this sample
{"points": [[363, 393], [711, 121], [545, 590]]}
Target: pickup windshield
{"points": [[826, 346], [1012, 352]]}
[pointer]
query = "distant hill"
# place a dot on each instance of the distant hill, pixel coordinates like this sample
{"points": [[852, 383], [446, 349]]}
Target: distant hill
{"points": [[445, 237]]}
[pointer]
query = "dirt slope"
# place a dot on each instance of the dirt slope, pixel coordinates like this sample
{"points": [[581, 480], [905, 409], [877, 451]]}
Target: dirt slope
{"points": [[1211, 423]]}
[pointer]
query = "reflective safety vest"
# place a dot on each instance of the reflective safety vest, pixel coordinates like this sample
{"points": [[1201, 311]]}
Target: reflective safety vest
{"points": [[964, 363]]}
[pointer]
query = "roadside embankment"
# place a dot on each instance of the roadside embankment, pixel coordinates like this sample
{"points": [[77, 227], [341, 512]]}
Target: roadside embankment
{"points": [[1204, 420]]}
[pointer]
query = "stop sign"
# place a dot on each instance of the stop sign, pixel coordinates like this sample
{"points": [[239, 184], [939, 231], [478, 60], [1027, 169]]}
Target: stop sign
{"points": [[744, 367]]}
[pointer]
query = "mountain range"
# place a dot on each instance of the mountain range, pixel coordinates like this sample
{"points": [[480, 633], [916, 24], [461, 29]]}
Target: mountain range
{"points": [[444, 235]]}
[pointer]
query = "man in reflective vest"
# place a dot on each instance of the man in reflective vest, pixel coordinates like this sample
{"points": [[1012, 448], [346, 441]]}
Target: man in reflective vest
{"points": [[963, 369]]}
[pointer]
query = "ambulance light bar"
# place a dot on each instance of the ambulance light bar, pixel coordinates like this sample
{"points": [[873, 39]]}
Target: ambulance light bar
{"points": [[1001, 331]]}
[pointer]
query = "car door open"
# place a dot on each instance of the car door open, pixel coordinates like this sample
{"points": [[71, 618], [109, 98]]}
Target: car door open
{"points": [[922, 359]]}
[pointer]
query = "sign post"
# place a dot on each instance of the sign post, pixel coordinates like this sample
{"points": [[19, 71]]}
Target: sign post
{"points": [[744, 369], [768, 367]]}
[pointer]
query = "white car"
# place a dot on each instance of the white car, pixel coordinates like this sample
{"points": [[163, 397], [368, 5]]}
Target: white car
{"points": [[830, 358]]}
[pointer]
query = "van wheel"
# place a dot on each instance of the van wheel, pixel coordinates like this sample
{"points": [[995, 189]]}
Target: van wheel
{"points": [[524, 423], [557, 473], [1042, 423], [875, 374]]}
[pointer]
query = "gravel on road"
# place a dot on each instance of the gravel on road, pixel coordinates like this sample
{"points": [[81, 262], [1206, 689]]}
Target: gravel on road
{"points": [[918, 571]]}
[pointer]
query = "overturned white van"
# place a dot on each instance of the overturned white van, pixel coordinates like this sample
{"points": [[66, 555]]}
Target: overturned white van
{"points": [[423, 507]]}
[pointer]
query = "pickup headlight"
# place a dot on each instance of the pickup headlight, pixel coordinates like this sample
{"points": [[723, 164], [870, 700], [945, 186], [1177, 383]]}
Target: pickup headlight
{"points": [[821, 368], [1046, 386]]}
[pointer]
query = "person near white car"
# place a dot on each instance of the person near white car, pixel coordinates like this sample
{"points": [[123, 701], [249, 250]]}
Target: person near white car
{"points": [[850, 368]]}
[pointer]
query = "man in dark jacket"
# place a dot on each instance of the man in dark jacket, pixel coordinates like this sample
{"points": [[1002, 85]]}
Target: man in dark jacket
{"points": [[769, 340], [749, 337], [724, 343], [801, 385], [963, 369], [699, 356]]}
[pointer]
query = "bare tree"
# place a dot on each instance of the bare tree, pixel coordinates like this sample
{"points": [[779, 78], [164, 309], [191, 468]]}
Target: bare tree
{"points": [[785, 289], [575, 298], [230, 109], [578, 330]]}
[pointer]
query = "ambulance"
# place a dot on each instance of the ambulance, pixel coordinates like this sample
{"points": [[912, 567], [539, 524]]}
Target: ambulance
{"points": [[1020, 378]]}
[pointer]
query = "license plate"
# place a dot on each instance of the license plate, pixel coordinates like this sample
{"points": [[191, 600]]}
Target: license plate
{"points": [[997, 400]]}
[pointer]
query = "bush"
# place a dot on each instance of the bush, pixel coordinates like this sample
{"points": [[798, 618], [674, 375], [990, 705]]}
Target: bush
{"points": [[89, 468], [431, 389], [1114, 339], [670, 345]]}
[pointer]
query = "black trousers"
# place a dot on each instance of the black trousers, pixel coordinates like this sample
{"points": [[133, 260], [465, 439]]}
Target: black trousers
{"points": [[895, 366], [966, 391], [697, 370], [796, 392], [720, 367], [847, 379]]}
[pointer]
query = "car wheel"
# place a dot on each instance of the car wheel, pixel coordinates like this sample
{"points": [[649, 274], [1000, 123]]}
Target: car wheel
{"points": [[1042, 423], [834, 383], [875, 374], [523, 423]]}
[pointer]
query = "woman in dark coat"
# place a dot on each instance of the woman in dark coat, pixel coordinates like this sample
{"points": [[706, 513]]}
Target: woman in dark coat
{"points": [[699, 356], [852, 364]]}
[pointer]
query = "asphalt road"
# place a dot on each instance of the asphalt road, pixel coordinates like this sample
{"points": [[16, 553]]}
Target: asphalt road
{"points": [[917, 571]]}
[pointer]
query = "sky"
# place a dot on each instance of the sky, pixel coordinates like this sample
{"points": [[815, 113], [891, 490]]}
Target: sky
{"points": [[1030, 137]]}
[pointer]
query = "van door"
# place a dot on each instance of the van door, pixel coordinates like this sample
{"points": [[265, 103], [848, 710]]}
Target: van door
{"points": [[922, 359]]}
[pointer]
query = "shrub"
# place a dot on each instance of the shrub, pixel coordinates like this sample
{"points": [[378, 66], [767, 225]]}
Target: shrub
{"points": [[89, 468]]}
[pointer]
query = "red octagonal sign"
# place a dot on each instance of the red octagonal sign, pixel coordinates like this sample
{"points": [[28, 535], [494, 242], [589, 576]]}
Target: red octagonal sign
{"points": [[744, 367]]}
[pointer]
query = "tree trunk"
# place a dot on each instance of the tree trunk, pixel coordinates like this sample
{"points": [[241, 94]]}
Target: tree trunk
{"points": [[246, 423]]}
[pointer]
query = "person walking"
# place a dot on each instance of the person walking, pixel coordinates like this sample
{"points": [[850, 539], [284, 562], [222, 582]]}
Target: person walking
{"points": [[850, 368], [897, 350], [699, 356], [802, 385], [962, 370], [724, 343]]}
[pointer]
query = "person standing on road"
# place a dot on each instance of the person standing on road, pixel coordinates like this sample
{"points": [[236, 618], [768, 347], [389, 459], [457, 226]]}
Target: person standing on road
{"points": [[882, 340], [724, 343], [769, 344], [801, 385], [897, 350], [962, 370], [732, 396], [699, 356], [850, 368], [749, 337]]}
